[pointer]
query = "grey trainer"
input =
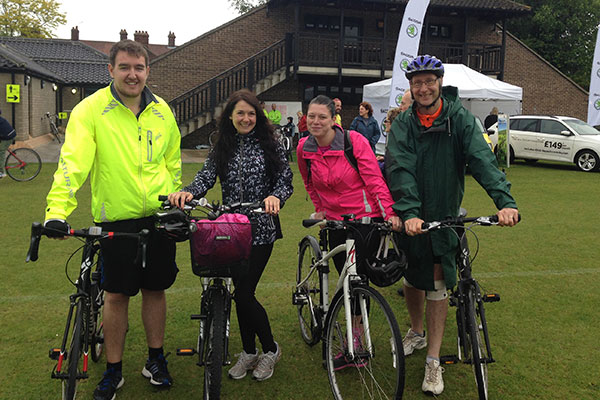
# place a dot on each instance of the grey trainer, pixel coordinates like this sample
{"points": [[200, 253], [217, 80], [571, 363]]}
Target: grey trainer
{"points": [[413, 341], [266, 364], [246, 362]]}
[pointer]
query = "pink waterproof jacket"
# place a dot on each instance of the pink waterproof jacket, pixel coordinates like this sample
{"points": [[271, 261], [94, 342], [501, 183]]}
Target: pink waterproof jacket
{"points": [[334, 185]]}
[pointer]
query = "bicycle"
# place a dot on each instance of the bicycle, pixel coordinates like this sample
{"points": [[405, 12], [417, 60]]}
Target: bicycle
{"points": [[212, 345], [22, 164], [53, 127], [84, 329], [473, 341], [358, 324]]}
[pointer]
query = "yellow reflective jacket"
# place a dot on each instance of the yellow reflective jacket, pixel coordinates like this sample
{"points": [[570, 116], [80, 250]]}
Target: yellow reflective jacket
{"points": [[130, 160]]}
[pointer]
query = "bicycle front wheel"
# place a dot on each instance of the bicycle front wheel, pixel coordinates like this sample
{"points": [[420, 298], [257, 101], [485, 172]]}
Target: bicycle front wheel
{"points": [[479, 354], [377, 369], [23, 164], [69, 384], [96, 327], [215, 343], [308, 294]]}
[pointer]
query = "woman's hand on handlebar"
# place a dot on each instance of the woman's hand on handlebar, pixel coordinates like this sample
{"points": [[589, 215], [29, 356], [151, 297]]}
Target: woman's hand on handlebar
{"points": [[272, 205], [412, 226], [508, 217], [178, 199], [396, 223]]}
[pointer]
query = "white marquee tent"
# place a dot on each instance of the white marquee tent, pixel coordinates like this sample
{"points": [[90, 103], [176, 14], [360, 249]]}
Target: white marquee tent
{"points": [[477, 92]]}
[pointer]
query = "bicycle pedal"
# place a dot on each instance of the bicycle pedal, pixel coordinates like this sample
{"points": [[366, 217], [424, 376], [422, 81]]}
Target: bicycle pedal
{"points": [[447, 360], [299, 299], [186, 352], [54, 354], [491, 297]]}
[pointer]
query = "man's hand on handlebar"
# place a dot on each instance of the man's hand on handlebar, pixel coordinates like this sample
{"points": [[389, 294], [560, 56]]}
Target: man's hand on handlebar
{"points": [[178, 199], [412, 226], [508, 217], [58, 226], [272, 205]]}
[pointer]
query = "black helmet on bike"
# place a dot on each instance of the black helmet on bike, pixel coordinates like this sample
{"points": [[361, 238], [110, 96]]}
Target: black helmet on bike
{"points": [[174, 223], [386, 271]]}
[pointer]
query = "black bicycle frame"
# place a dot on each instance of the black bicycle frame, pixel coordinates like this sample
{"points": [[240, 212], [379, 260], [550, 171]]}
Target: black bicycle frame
{"points": [[216, 288]]}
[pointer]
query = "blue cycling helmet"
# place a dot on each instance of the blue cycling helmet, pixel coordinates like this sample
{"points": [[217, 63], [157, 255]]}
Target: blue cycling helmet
{"points": [[425, 63]]}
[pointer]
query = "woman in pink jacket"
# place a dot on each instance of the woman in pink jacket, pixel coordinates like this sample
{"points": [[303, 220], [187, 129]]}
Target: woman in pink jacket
{"points": [[334, 185]]}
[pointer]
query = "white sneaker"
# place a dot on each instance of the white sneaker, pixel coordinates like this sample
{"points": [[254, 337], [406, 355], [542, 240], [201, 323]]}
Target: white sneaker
{"points": [[245, 363], [433, 382], [413, 341], [266, 364]]}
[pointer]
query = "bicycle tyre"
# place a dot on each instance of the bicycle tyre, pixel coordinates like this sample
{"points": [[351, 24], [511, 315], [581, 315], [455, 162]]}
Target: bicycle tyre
{"points": [[374, 374], [69, 384], [96, 326], [215, 343], [478, 350], [22, 173], [309, 315]]}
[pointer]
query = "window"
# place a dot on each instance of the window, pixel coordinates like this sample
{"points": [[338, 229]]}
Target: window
{"points": [[529, 125], [327, 23], [437, 31], [552, 127]]}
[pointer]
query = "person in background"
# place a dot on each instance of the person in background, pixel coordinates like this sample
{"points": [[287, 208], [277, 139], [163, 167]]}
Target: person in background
{"points": [[289, 130], [428, 149], [302, 128], [491, 119], [406, 101], [366, 124], [251, 166], [274, 115], [128, 171], [6, 130], [338, 111], [264, 109]]}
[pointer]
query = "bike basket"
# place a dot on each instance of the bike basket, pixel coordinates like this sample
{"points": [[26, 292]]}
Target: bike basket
{"points": [[221, 245]]}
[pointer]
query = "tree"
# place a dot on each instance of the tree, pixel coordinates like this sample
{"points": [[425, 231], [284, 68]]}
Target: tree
{"points": [[563, 32], [30, 18], [243, 6]]}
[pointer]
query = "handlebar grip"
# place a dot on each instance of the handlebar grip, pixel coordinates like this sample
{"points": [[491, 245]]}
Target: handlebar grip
{"points": [[162, 197], [34, 244], [307, 223]]}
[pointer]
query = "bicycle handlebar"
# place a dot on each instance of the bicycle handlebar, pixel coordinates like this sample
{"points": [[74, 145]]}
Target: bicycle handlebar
{"points": [[452, 222], [214, 207], [93, 232], [337, 224]]}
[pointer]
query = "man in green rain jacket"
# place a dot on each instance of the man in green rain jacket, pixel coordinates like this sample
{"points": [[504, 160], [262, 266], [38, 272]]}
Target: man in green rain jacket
{"points": [[427, 152]]}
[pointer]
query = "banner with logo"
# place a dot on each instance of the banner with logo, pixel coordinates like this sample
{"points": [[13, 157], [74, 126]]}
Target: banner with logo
{"points": [[503, 146], [594, 102], [407, 47]]}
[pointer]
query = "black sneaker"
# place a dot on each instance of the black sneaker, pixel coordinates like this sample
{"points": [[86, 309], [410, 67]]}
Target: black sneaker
{"points": [[109, 384], [156, 370]]}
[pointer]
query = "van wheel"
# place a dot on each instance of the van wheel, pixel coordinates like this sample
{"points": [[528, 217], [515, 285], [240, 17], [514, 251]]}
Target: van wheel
{"points": [[586, 160]]}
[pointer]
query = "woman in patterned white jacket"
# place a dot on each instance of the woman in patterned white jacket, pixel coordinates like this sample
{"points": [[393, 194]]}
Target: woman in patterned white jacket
{"points": [[251, 166]]}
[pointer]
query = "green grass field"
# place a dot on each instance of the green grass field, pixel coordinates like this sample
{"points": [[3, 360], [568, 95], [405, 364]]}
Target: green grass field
{"points": [[545, 269]]}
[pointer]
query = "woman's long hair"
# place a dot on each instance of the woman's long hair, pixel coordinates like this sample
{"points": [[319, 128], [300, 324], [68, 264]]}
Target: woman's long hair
{"points": [[228, 140]]}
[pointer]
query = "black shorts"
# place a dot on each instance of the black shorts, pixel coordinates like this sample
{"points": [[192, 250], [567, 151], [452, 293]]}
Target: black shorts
{"points": [[121, 273]]}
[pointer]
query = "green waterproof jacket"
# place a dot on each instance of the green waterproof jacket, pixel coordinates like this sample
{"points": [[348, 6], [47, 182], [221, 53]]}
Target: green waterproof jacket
{"points": [[131, 160], [426, 176]]}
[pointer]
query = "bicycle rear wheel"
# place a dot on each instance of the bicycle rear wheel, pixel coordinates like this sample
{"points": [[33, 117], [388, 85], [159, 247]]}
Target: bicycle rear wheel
{"points": [[23, 164], [309, 294], [69, 384], [215, 343], [479, 354], [377, 369]]}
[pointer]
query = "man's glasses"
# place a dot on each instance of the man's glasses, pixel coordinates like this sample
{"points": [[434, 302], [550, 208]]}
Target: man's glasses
{"points": [[428, 83]]}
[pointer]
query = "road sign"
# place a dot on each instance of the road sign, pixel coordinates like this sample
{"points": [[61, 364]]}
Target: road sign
{"points": [[62, 115], [13, 93]]}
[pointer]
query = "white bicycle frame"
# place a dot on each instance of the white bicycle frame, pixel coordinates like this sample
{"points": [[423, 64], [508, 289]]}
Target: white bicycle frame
{"points": [[348, 273]]}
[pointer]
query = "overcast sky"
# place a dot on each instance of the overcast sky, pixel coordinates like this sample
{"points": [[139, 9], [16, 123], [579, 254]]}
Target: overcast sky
{"points": [[103, 20]]}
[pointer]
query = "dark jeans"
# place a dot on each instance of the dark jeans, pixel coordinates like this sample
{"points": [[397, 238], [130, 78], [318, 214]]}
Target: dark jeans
{"points": [[252, 317]]}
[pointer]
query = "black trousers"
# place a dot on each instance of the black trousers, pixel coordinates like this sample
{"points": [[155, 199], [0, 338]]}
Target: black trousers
{"points": [[252, 317]]}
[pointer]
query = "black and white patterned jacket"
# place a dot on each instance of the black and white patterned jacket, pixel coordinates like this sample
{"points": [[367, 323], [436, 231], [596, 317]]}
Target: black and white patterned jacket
{"points": [[247, 181]]}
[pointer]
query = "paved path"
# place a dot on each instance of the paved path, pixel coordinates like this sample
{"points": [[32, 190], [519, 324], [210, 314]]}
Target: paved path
{"points": [[49, 149]]}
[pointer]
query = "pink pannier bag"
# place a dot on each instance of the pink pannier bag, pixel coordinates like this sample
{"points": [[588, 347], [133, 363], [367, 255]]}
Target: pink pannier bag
{"points": [[219, 243]]}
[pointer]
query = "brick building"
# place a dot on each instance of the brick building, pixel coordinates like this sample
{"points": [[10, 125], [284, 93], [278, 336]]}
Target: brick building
{"points": [[292, 50]]}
